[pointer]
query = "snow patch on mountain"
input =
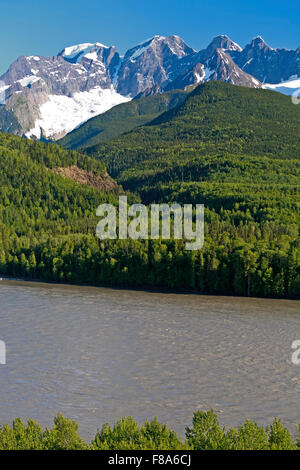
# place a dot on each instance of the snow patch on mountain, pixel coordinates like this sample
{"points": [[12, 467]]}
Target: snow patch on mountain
{"points": [[29, 80], [235, 47], [256, 82], [3, 87], [61, 114], [137, 51], [208, 73], [72, 52], [198, 77], [287, 88], [91, 55], [62, 91]]}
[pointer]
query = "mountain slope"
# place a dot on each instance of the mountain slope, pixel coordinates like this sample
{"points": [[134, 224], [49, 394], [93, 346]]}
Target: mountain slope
{"points": [[121, 119], [154, 62], [36, 201], [232, 148], [9, 122], [50, 96], [267, 64], [216, 119], [215, 63], [218, 67], [237, 151]]}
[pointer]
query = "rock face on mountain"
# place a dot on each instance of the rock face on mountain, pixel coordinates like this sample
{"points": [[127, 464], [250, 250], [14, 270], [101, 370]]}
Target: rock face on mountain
{"points": [[70, 76], [189, 77], [267, 64], [219, 42], [50, 96], [155, 62], [215, 63], [221, 67]]}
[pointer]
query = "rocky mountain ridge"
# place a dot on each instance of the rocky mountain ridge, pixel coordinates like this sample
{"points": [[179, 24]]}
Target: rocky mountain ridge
{"points": [[50, 96]]}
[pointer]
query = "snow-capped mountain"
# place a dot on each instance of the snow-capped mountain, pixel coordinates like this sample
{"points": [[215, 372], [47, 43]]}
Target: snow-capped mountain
{"points": [[155, 62], [50, 96], [215, 63]]}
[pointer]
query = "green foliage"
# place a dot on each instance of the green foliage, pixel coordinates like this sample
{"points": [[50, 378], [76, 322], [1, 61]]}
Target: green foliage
{"points": [[215, 119], [121, 119], [50, 155], [63, 436], [207, 434], [234, 149], [250, 436], [20, 436], [280, 437], [126, 434], [34, 200]]}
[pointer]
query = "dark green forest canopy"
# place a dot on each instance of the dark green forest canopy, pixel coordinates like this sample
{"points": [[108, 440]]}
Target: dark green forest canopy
{"points": [[221, 132], [228, 147], [50, 155], [234, 149], [35, 201]]}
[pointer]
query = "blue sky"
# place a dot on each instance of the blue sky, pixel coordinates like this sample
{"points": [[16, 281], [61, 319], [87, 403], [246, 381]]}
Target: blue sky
{"points": [[45, 27]]}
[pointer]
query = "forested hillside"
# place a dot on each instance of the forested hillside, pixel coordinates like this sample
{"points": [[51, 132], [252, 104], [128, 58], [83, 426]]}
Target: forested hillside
{"points": [[234, 149], [237, 150], [199, 140], [121, 119]]}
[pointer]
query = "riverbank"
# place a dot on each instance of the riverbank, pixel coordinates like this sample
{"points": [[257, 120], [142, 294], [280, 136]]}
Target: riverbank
{"points": [[137, 289]]}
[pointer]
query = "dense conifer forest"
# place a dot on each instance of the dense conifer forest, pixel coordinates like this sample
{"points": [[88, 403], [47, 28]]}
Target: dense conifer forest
{"points": [[234, 149]]}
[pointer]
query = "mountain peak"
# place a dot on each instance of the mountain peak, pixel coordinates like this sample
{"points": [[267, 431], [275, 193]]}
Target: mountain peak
{"points": [[222, 42], [73, 53], [258, 41], [135, 52], [258, 38], [155, 38], [175, 45], [175, 36], [97, 76], [158, 37]]}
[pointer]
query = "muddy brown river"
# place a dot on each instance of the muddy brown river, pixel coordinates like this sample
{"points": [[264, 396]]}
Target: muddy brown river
{"points": [[99, 354]]}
